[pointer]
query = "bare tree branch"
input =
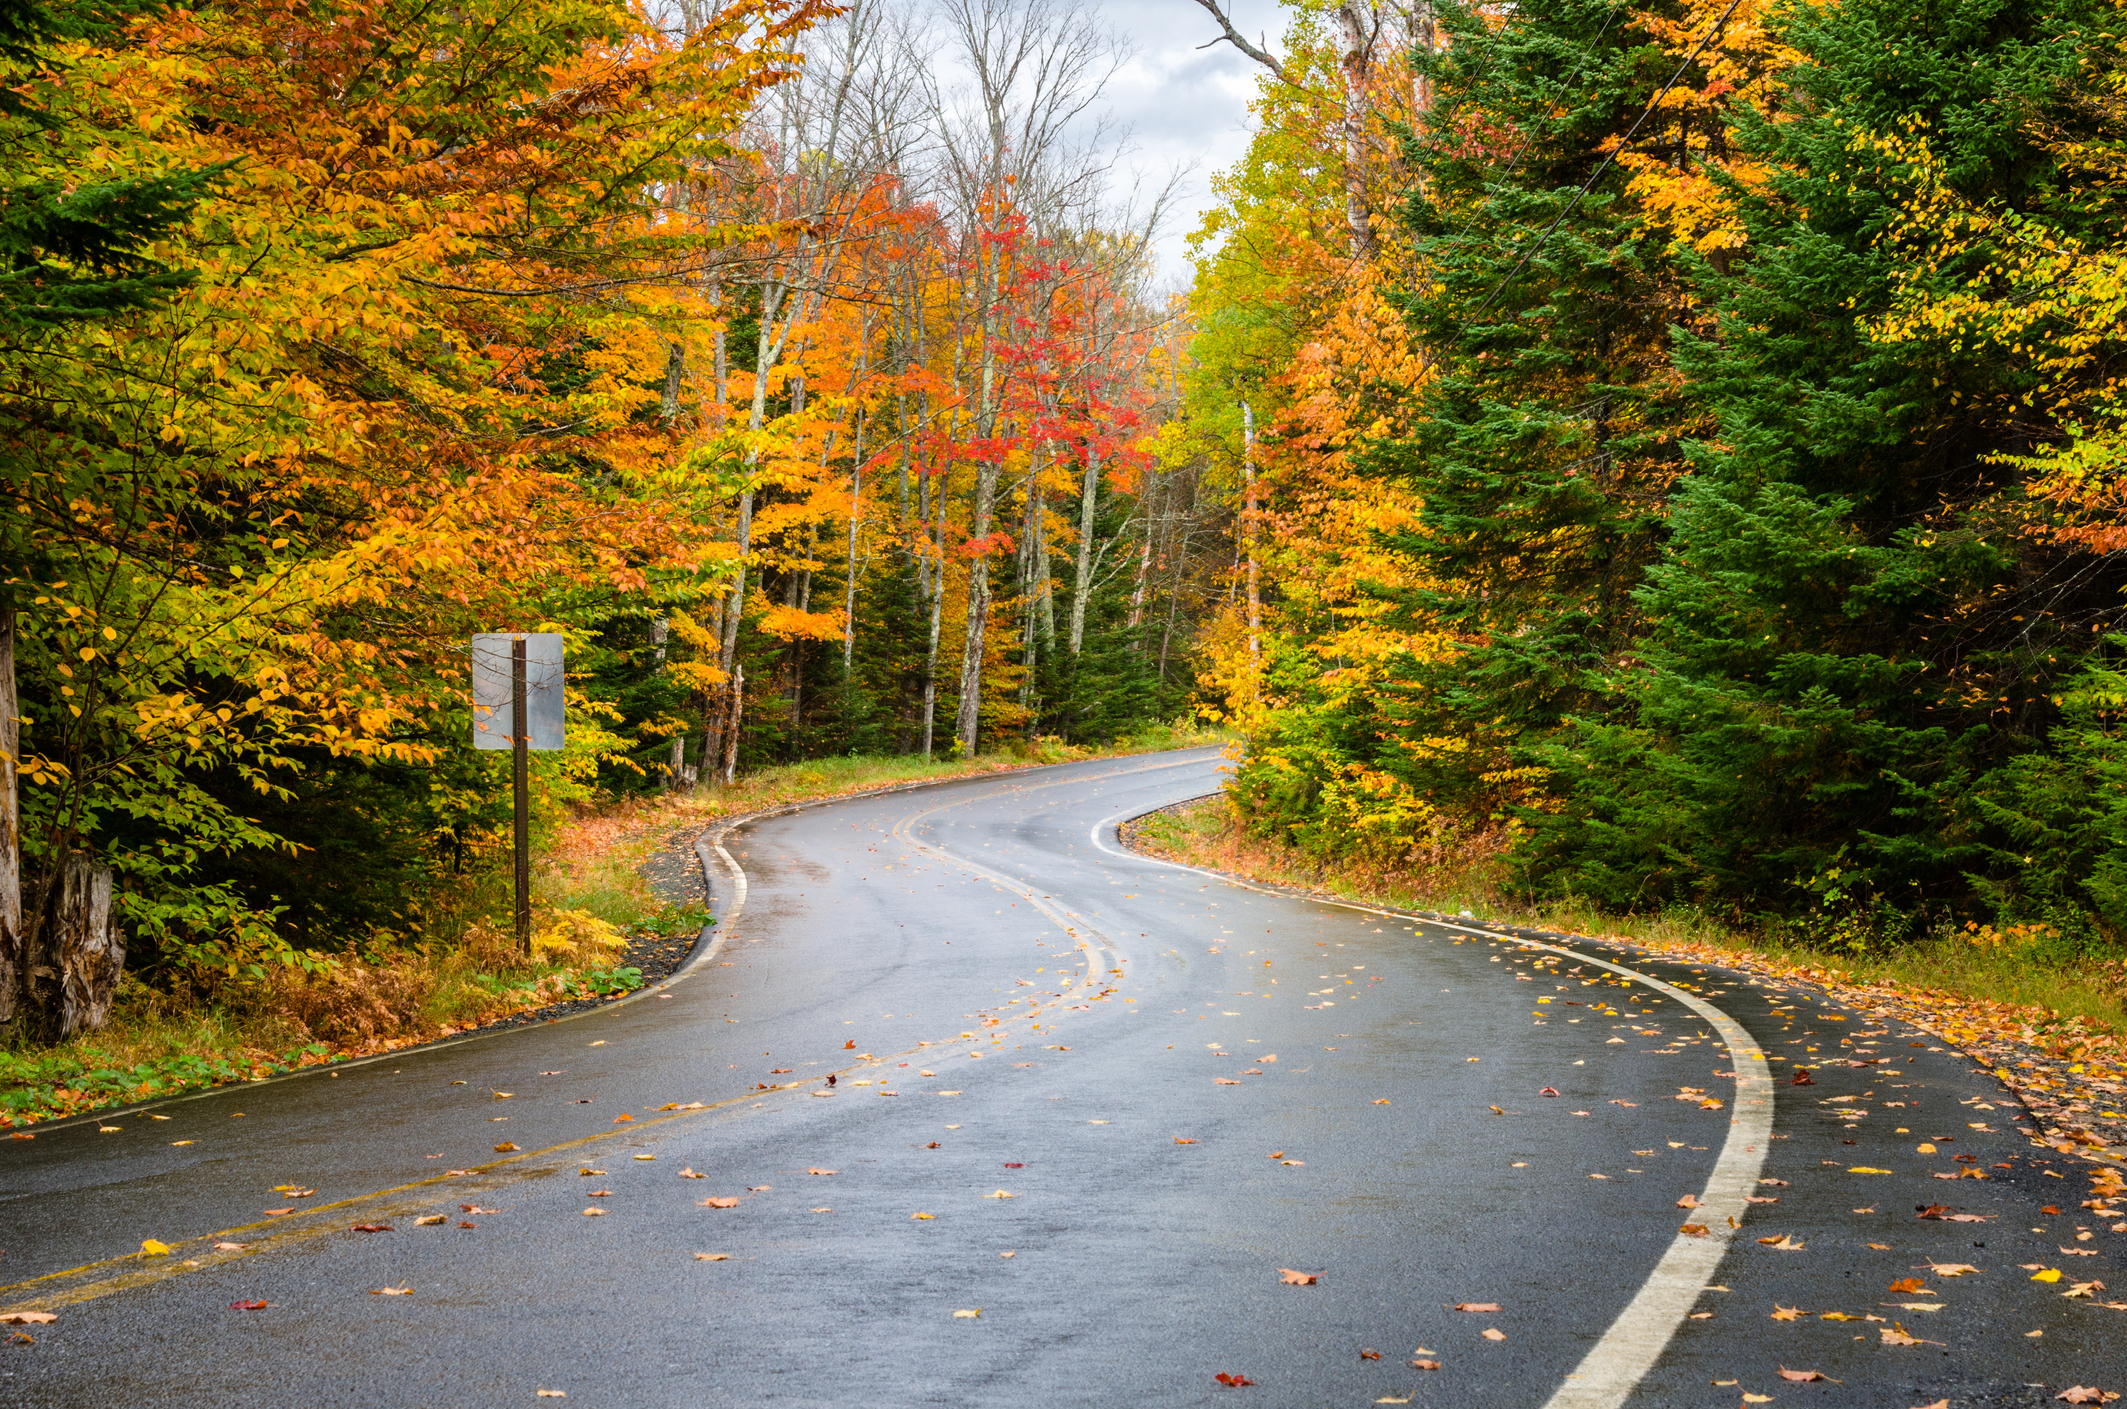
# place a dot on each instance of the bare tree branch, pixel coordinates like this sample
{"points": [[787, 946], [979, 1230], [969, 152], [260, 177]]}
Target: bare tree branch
{"points": [[1238, 41]]}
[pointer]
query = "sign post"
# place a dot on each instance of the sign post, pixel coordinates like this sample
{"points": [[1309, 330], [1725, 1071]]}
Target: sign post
{"points": [[521, 672]]}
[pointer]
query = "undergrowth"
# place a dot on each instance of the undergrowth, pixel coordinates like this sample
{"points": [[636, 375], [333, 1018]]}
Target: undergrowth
{"points": [[2027, 968]]}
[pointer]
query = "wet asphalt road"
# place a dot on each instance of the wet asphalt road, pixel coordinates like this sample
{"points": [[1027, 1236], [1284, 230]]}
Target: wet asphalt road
{"points": [[1183, 1085]]}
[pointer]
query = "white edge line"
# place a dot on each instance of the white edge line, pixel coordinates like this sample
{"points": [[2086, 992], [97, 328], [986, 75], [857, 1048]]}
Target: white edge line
{"points": [[1612, 1369]]}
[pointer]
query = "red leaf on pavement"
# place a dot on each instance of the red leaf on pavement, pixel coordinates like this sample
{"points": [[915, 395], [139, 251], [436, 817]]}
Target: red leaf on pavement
{"points": [[1232, 1381], [247, 1306], [370, 1228], [1548, 1091], [1369, 1354], [1907, 1284], [850, 1046], [1485, 1307], [1802, 1077], [1010, 1165], [2048, 1209]]}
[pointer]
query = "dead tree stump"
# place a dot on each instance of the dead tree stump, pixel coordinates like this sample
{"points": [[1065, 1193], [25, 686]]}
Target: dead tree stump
{"points": [[73, 954]]}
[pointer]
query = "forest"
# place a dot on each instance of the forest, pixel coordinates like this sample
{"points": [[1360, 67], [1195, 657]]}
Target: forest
{"points": [[1690, 446], [1668, 454], [820, 405]]}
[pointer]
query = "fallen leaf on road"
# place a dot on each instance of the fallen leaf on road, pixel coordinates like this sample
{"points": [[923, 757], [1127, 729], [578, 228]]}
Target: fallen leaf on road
{"points": [[624, 1116], [688, 1173], [820, 1171], [151, 1248], [475, 1208], [1298, 1279], [27, 1318], [1481, 1307], [925, 1216], [1548, 1091], [1000, 1194], [712, 1257], [2085, 1394], [1774, 1183], [504, 1148], [1369, 1354], [2050, 1210], [392, 1291], [2079, 1252], [1951, 1269], [1688, 1201], [1802, 1377], [1786, 1313], [967, 1315], [718, 1203], [2051, 1274], [1749, 1398], [248, 1305], [1009, 1164], [1180, 1141], [430, 1221], [1694, 1230], [370, 1228], [594, 1213], [2083, 1289], [1381, 1102], [1864, 1169], [1232, 1381], [277, 1212], [1493, 1333], [1761, 1198], [1896, 1335], [1224, 1081], [1907, 1284], [590, 1173], [561, 1393], [229, 1247], [1783, 1243], [1425, 1364]]}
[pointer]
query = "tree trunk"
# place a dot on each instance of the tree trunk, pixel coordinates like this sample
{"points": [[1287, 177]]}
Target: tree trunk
{"points": [[1248, 534], [1358, 42], [732, 715], [1082, 586], [10, 816], [75, 955], [978, 611]]}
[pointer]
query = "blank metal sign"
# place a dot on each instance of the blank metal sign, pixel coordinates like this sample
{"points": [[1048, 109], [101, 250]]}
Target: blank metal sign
{"points": [[542, 689]]}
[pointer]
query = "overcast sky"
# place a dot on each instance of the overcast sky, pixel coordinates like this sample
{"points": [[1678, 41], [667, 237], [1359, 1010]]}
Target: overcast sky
{"points": [[1187, 106]]}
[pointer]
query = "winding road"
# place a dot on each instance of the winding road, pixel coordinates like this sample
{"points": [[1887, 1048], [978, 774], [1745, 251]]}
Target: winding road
{"points": [[1100, 1129]]}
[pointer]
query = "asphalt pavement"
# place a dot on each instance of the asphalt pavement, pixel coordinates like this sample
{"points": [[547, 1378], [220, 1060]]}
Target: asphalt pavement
{"points": [[1101, 1130]]}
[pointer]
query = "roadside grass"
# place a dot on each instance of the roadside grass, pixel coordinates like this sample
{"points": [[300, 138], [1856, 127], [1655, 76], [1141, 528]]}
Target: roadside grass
{"points": [[2063, 986], [461, 969]]}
